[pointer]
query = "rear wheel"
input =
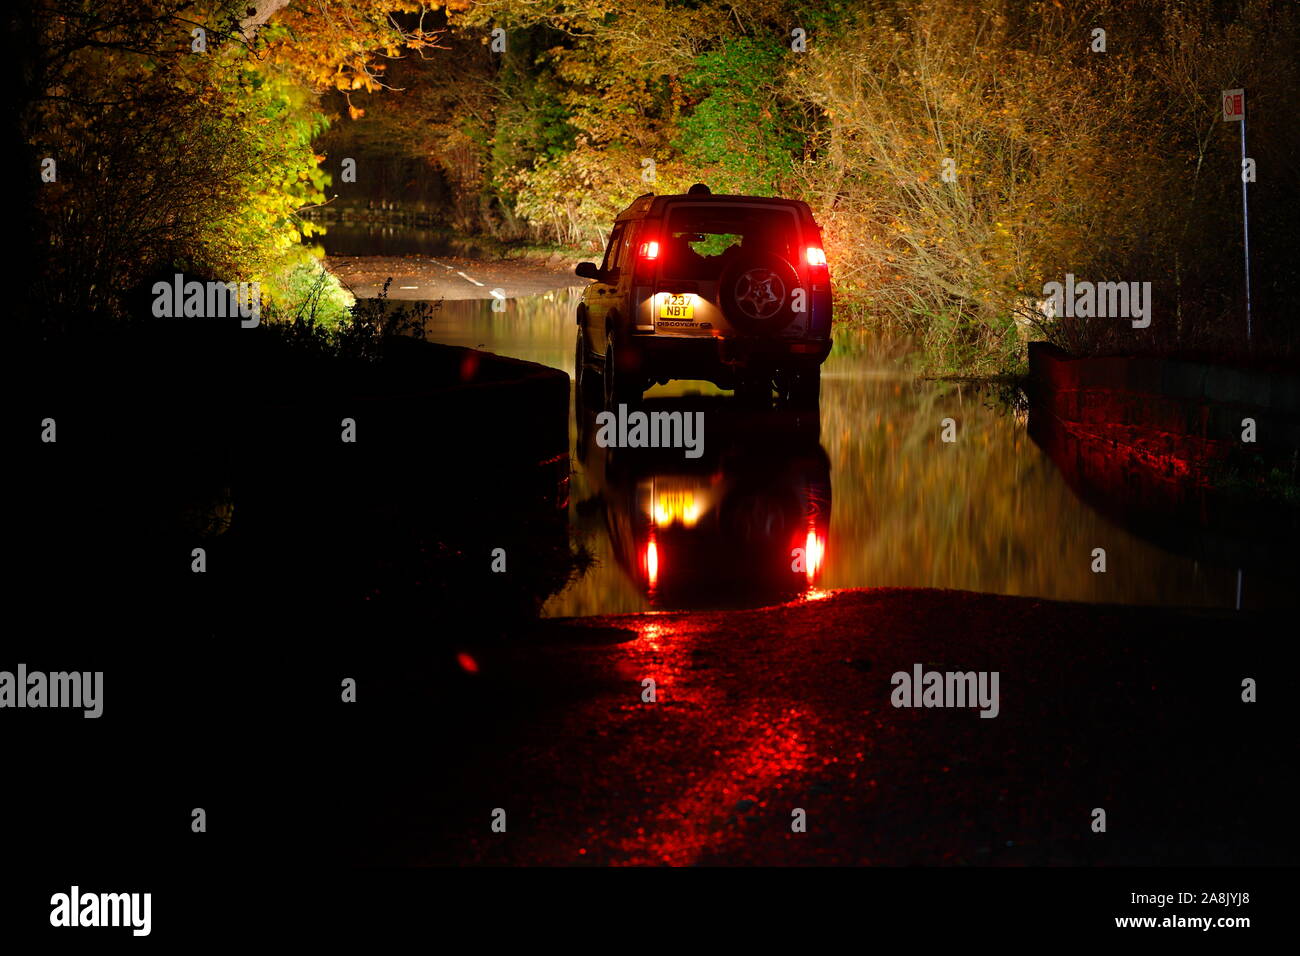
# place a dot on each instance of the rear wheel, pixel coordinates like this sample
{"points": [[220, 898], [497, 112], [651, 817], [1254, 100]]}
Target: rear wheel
{"points": [[582, 377], [621, 387], [754, 390], [801, 389]]}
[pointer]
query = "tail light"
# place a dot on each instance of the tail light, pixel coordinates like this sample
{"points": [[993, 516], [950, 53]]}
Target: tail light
{"points": [[819, 277], [648, 251], [652, 563]]}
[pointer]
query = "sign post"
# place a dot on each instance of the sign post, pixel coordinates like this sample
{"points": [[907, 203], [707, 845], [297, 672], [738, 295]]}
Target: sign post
{"points": [[1234, 111]]}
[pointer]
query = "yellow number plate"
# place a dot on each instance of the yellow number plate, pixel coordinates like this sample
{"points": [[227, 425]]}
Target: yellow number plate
{"points": [[676, 306]]}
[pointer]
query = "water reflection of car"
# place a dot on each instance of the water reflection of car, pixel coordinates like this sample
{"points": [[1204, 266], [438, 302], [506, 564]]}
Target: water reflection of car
{"points": [[728, 289], [744, 524]]}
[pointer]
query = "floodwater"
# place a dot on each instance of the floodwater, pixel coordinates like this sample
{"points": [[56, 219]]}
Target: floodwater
{"points": [[868, 496], [378, 239]]}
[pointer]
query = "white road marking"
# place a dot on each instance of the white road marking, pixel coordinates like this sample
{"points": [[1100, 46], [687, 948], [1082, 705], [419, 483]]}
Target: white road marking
{"points": [[457, 271], [408, 287]]}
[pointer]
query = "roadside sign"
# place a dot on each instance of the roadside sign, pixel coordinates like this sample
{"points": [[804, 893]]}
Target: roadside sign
{"points": [[1234, 105], [1234, 111]]}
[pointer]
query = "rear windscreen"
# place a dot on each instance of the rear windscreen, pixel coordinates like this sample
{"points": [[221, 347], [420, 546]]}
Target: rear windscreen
{"points": [[700, 240]]}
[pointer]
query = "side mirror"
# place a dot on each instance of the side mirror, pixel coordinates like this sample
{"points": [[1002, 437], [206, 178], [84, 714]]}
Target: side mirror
{"points": [[587, 270]]}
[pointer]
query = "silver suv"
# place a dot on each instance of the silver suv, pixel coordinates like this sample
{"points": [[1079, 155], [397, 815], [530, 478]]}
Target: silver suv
{"points": [[729, 289]]}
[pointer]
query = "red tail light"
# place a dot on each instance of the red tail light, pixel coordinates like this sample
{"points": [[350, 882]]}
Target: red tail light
{"points": [[647, 255], [816, 256]]}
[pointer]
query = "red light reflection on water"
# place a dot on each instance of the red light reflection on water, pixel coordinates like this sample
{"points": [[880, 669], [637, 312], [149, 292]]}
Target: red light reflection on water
{"points": [[652, 563], [712, 809], [754, 750], [814, 554]]}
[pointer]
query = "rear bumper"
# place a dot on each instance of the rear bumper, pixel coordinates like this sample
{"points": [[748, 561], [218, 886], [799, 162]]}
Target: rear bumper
{"points": [[694, 356], [742, 350]]}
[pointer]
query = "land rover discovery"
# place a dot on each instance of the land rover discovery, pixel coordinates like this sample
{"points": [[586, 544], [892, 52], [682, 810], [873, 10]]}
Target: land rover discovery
{"points": [[728, 289]]}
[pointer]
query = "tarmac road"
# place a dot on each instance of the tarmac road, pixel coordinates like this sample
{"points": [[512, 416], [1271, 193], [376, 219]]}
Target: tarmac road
{"points": [[760, 713], [449, 277]]}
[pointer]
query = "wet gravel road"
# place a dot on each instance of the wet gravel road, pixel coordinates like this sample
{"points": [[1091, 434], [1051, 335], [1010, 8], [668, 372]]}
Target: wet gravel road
{"points": [[758, 713]]}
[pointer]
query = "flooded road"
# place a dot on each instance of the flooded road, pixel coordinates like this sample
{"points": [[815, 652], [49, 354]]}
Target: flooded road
{"points": [[377, 239], [871, 498]]}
